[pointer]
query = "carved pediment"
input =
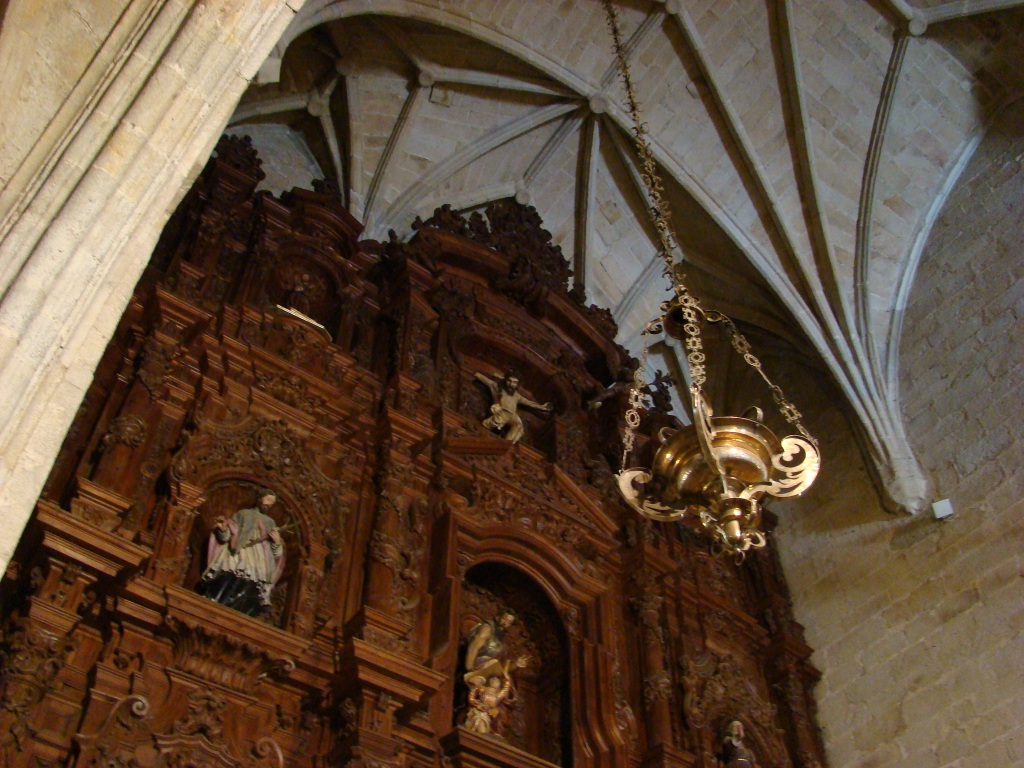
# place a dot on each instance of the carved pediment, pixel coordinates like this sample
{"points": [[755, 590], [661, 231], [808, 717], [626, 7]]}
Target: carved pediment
{"points": [[196, 739], [519, 487], [267, 449], [528, 473]]}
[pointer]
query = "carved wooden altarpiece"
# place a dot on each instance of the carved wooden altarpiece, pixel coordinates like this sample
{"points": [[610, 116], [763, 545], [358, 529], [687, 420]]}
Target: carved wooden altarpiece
{"points": [[267, 346]]}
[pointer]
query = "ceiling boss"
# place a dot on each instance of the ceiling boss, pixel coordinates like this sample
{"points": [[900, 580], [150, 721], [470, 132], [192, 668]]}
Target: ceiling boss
{"points": [[715, 472]]}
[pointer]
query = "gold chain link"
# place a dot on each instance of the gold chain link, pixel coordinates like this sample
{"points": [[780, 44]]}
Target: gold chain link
{"points": [[692, 313]]}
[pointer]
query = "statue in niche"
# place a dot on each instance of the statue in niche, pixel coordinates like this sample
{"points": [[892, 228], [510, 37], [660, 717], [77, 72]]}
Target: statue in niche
{"points": [[506, 399], [244, 558], [489, 673], [734, 752]]}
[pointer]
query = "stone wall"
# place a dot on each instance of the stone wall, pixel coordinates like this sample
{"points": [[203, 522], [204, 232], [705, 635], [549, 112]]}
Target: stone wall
{"points": [[918, 624]]}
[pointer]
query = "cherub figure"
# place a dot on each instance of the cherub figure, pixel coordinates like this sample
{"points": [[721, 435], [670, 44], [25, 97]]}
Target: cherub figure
{"points": [[485, 699], [506, 399]]}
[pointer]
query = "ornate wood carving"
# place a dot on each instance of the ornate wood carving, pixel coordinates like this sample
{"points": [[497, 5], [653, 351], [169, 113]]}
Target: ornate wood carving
{"points": [[268, 347]]}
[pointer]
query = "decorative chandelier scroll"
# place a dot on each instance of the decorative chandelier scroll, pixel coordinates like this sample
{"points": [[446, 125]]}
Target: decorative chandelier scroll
{"points": [[717, 471]]}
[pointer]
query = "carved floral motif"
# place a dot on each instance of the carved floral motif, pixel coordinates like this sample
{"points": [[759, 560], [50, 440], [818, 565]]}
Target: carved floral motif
{"points": [[267, 449], [157, 361], [291, 390], [128, 430], [657, 687], [30, 659], [303, 618], [536, 480], [718, 690], [648, 606], [111, 745]]}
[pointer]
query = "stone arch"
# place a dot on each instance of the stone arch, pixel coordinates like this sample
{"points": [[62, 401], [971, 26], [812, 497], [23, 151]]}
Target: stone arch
{"points": [[85, 208], [322, 11], [908, 271]]}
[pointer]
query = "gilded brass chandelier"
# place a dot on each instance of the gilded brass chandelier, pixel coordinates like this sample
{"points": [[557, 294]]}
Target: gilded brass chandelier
{"points": [[716, 472]]}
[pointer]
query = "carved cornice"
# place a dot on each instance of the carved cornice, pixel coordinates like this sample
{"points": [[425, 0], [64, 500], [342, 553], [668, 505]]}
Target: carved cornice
{"points": [[363, 663], [106, 553], [186, 609], [469, 750], [557, 308], [216, 657]]}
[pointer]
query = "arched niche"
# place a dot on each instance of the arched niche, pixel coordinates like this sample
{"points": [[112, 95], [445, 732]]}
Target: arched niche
{"points": [[262, 452], [301, 283], [763, 745], [580, 603], [720, 687], [225, 497], [537, 718]]}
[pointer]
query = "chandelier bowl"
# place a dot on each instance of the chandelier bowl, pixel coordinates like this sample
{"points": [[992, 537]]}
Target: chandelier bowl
{"points": [[741, 456], [716, 472]]}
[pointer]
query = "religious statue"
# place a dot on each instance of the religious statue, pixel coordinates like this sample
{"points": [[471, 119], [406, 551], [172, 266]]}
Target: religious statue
{"points": [[244, 558], [622, 384], [489, 679], [486, 696], [734, 752], [506, 399]]}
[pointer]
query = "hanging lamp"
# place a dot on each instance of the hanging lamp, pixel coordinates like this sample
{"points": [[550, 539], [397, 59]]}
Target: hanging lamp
{"points": [[714, 473]]}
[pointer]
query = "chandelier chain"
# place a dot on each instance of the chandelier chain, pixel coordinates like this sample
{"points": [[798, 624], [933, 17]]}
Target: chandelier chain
{"points": [[692, 313], [636, 404], [660, 214], [742, 346], [658, 206]]}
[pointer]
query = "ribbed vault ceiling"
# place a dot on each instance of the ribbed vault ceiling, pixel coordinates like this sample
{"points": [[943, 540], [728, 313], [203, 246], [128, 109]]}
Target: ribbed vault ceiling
{"points": [[806, 147]]}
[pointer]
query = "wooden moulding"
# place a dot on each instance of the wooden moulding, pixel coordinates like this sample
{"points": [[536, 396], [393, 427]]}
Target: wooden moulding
{"points": [[191, 609], [106, 553], [470, 750], [395, 672]]}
